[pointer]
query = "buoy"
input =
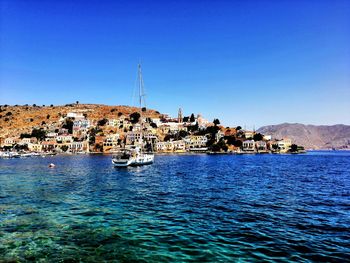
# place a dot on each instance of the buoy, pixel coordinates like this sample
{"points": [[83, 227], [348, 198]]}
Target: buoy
{"points": [[51, 165]]}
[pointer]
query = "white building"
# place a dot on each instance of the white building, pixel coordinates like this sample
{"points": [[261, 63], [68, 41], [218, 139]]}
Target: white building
{"points": [[248, 146], [195, 141]]}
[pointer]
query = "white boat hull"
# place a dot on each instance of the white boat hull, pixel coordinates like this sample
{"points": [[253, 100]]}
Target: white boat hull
{"points": [[142, 159]]}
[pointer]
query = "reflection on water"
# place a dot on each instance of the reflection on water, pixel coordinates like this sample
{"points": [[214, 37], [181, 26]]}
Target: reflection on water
{"points": [[182, 208]]}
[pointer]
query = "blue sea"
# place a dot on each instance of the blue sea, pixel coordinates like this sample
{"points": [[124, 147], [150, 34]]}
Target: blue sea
{"points": [[183, 208]]}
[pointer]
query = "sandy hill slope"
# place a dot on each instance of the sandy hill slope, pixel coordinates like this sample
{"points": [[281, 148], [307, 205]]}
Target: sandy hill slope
{"points": [[15, 120], [312, 136]]}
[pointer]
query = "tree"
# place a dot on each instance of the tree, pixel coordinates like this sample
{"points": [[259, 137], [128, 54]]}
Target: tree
{"points": [[134, 117], [215, 148], [77, 102], [34, 105], [230, 140], [275, 146], [185, 119], [238, 143], [193, 128], [102, 122], [64, 148], [68, 125], [168, 137], [99, 147], [182, 134], [216, 122], [120, 114], [153, 125], [294, 148], [192, 119], [48, 116], [51, 105], [40, 134], [143, 109], [25, 135], [257, 137], [8, 114], [238, 128]]}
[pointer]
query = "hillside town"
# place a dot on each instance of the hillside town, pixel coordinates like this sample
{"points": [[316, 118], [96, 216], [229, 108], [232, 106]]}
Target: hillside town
{"points": [[74, 133]]}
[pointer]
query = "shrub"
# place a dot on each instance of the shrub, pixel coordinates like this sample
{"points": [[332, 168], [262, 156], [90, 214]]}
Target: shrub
{"points": [[68, 125], [216, 122], [102, 122], [192, 119], [8, 114], [64, 148], [134, 117], [25, 135], [257, 137], [40, 134], [48, 116]]}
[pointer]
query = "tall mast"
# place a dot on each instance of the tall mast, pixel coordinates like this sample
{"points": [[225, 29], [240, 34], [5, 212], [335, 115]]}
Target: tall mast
{"points": [[140, 102]]}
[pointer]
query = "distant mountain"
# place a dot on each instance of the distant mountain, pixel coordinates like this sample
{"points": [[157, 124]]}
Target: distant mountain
{"points": [[311, 136]]}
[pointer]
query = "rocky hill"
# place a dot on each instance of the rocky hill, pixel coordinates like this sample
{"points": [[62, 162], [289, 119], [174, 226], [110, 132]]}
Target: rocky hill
{"points": [[312, 136], [15, 120]]}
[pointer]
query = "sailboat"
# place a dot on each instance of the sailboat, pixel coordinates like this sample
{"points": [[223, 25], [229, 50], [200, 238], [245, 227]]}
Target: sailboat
{"points": [[135, 155]]}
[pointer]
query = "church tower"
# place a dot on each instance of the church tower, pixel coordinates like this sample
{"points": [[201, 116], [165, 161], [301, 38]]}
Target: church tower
{"points": [[179, 116]]}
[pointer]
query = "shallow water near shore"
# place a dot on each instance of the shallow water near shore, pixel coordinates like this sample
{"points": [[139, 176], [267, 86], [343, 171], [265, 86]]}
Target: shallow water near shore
{"points": [[207, 208]]}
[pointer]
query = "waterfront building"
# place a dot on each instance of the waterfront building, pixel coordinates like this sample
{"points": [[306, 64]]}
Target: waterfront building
{"points": [[29, 140], [248, 146], [164, 146], [9, 142], [65, 138], [35, 147], [134, 136], [171, 146], [284, 145], [261, 146], [110, 142], [195, 141], [82, 146], [48, 146]]}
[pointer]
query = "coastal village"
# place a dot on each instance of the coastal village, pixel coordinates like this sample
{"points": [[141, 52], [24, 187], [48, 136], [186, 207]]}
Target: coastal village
{"points": [[83, 128]]}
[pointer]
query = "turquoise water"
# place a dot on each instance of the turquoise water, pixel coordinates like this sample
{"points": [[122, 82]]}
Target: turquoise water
{"points": [[196, 208]]}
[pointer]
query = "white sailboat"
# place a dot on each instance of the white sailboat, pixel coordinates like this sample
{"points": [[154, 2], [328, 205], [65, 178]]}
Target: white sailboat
{"points": [[135, 155]]}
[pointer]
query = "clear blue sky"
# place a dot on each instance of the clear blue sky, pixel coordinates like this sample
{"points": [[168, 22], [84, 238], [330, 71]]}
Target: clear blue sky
{"points": [[245, 62]]}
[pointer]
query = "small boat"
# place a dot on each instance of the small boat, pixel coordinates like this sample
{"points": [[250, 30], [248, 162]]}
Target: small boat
{"points": [[135, 155]]}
